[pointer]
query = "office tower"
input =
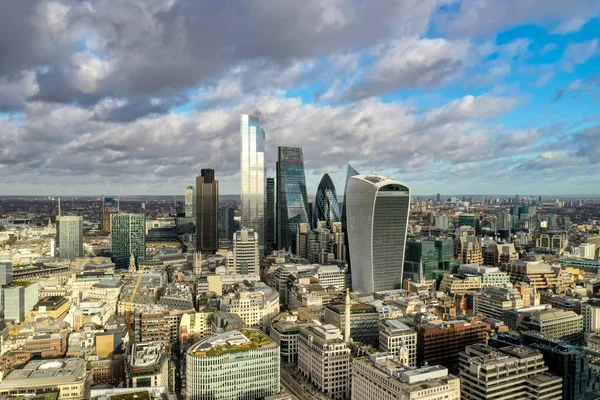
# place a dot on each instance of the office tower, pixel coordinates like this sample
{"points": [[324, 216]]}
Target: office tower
{"points": [[438, 198], [190, 202], [364, 321], [18, 299], [244, 258], [377, 211], [514, 372], [6, 273], [252, 174], [326, 207], [442, 343], [292, 200], [430, 256], [466, 219], [395, 335], [128, 236], [69, 235], [227, 223], [324, 359], [207, 211], [234, 364], [383, 376], [349, 174], [270, 217]]}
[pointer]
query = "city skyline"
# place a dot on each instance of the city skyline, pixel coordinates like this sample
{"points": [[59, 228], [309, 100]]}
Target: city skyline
{"points": [[416, 90]]}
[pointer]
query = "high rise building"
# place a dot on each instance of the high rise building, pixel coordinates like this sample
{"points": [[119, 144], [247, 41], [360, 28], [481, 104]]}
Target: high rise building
{"points": [[292, 200], [433, 257], [227, 223], [377, 210], [515, 372], [6, 273], [244, 258], [252, 174], [207, 211], [128, 236], [349, 174], [190, 202], [69, 236], [324, 359], [326, 206], [234, 364], [18, 299], [383, 376], [270, 233]]}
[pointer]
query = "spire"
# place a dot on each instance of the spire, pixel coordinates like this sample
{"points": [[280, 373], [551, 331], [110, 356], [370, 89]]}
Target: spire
{"points": [[347, 318], [197, 263], [132, 267]]}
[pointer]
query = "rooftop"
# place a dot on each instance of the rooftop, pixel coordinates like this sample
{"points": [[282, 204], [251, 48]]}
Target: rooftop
{"points": [[232, 342], [41, 373], [146, 354]]}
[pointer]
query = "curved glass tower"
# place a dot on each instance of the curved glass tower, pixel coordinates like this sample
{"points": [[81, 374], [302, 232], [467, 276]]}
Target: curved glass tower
{"points": [[378, 210], [351, 172], [252, 174], [292, 200], [326, 206]]}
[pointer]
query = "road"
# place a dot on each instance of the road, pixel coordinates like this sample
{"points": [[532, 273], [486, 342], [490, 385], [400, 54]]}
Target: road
{"points": [[293, 387]]}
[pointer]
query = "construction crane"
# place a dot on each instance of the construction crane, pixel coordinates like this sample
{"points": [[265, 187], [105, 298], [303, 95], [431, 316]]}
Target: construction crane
{"points": [[129, 303]]}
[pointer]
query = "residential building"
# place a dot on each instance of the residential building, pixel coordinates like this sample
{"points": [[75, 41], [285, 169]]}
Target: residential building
{"points": [[69, 236], [252, 176], [292, 199], [128, 236], [190, 202], [364, 321], [207, 211], [326, 206], [394, 335], [382, 377], [244, 258], [324, 359], [515, 372], [377, 217], [235, 364]]}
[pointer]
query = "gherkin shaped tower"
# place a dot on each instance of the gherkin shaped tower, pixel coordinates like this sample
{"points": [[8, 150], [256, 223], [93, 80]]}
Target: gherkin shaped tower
{"points": [[326, 206]]}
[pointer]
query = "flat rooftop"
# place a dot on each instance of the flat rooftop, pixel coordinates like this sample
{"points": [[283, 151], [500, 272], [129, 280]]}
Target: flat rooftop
{"points": [[41, 373], [231, 342]]}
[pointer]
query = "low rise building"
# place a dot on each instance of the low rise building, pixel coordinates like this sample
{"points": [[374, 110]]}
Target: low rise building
{"points": [[149, 365], [364, 321], [495, 300], [256, 308], [393, 335], [285, 329]]}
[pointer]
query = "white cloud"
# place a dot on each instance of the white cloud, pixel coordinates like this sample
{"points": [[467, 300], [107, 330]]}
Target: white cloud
{"points": [[579, 53]]}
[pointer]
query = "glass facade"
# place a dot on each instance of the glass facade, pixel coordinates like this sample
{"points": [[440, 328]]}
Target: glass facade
{"points": [[207, 211], [128, 236], [292, 200], [270, 217], [252, 174], [227, 224], [69, 237], [436, 256], [349, 174], [326, 206]]}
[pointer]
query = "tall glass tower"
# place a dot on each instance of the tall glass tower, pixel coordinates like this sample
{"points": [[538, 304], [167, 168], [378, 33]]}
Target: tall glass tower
{"points": [[252, 174], [378, 210], [292, 200], [326, 206], [207, 211], [351, 172], [69, 236], [270, 217], [128, 236]]}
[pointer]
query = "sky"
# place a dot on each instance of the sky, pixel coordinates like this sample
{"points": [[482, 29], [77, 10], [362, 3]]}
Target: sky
{"points": [[447, 96]]}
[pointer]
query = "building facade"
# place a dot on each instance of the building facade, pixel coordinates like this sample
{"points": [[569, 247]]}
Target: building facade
{"points": [[244, 258], [270, 233], [207, 211], [394, 335], [292, 199], [377, 217], [252, 175], [190, 202], [128, 236], [69, 237], [326, 206], [349, 174]]}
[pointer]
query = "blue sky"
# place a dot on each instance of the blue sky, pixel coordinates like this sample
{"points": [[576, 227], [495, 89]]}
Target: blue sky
{"points": [[448, 96]]}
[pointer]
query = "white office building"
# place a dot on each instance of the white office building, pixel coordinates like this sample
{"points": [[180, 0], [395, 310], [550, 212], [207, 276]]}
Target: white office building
{"points": [[244, 258], [377, 217]]}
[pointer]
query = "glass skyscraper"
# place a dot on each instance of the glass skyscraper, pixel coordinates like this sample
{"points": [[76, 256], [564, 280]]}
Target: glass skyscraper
{"points": [[69, 236], [349, 174], [326, 206], [292, 200], [128, 236], [207, 211], [378, 210], [270, 217], [252, 174]]}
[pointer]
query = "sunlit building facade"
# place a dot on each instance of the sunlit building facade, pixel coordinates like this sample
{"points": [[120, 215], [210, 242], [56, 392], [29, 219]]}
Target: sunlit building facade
{"points": [[349, 174], [326, 207], [252, 175]]}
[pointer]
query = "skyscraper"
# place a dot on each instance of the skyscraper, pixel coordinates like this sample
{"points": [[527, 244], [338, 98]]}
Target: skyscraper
{"points": [[326, 206], [69, 235], [349, 174], [252, 176], [190, 202], [128, 236], [227, 223], [270, 217], [377, 223], [207, 211], [292, 200]]}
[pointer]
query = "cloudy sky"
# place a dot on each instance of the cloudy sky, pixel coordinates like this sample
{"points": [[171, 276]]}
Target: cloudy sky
{"points": [[449, 96]]}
